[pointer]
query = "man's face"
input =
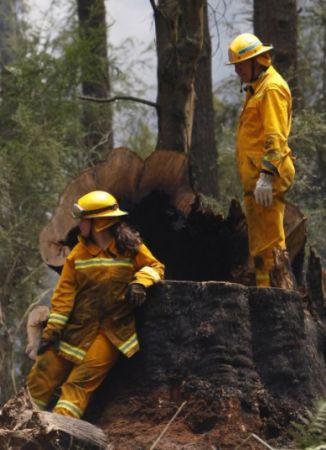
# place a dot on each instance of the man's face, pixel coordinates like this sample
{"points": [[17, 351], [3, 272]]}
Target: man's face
{"points": [[244, 70]]}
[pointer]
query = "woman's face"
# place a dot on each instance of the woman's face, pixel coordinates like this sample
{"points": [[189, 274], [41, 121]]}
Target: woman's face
{"points": [[85, 226]]}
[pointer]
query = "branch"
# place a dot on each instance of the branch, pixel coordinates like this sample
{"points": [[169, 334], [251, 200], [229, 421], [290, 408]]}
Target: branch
{"points": [[167, 426], [118, 97], [152, 2]]}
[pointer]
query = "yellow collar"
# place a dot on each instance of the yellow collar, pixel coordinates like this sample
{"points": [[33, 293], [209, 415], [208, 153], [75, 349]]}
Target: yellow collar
{"points": [[254, 84], [95, 250]]}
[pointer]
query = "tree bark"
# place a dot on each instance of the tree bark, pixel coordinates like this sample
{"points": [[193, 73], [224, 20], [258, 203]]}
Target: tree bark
{"points": [[203, 152], [95, 72], [8, 30], [244, 359], [179, 37], [276, 22]]}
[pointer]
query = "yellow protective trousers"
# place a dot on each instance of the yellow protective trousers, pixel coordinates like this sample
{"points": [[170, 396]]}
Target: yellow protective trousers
{"points": [[265, 231], [77, 382]]}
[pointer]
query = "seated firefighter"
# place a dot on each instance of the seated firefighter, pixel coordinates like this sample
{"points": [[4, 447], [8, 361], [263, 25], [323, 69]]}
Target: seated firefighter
{"points": [[91, 318]]}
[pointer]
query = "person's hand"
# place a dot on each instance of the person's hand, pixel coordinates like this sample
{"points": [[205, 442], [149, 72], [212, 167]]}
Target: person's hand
{"points": [[31, 349], [136, 294], [264, 190]]}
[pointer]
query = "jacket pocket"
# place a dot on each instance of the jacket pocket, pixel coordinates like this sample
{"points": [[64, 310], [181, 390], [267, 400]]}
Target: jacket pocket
{"points": [[286, 172], [249, 166]]}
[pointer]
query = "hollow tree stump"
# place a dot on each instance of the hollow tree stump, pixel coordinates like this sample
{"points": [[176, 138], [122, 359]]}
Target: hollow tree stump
{"points": [[246, 360], [194, 242]]}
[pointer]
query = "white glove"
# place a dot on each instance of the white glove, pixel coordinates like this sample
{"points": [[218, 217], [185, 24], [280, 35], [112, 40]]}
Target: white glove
{"points": [[264, 190]]}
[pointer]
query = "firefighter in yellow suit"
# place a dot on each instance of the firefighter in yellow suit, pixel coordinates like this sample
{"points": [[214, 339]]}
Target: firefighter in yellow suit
{"points": [[264, 158], [91, 318]]}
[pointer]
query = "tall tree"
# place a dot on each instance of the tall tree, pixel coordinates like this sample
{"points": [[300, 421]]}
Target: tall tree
{"points": [[184, 98], [7, 28], [203, 151], [276, 21], [95, 71]]}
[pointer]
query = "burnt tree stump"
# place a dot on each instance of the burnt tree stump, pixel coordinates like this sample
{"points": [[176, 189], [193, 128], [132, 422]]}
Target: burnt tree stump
{"points": [[245, 359]]}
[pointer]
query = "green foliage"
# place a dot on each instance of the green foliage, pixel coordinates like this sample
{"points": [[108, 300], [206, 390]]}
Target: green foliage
{"points": [[135, 125], [310, 432], [142, 140], [311, 67], [226, 108], [308, 192], [41, 146]]}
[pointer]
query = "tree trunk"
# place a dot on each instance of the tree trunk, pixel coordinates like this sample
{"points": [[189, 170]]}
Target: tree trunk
{"points": [[276, 22], [95, 73], [8, 26], [179, 36], [203, 151]]}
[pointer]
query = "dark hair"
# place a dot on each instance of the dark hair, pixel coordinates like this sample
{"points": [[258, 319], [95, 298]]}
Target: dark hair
{"points": [[127, 239]]}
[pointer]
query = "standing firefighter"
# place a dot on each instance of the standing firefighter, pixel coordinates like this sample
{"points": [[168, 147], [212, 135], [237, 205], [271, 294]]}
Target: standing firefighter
{"points": [[91, 318], [263, 155]]}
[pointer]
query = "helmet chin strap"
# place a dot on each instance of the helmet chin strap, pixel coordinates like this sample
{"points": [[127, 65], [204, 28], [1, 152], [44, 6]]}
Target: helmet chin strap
{"points": [[253, 78]]}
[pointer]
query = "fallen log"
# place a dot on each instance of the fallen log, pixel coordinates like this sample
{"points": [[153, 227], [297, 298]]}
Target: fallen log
{"points": [[22, 426]]}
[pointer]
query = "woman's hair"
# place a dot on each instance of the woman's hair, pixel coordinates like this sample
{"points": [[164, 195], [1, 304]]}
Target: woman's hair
{"points": [[127, 239]]}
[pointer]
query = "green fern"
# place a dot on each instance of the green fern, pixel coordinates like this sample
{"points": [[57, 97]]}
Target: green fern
{"points": [[310, 432]]}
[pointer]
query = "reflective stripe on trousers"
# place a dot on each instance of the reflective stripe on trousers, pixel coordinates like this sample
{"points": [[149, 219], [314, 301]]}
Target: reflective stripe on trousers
{"points": [[77, 382]]}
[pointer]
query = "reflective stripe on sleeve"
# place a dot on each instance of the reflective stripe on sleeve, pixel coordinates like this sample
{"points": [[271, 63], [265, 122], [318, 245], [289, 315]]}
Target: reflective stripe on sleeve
{"points": [[151, 272], [58, 319], [129, 344]]}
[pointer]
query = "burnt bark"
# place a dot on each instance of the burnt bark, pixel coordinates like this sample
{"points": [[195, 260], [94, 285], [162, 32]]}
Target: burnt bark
{"points": [[315, 284], [244, 359], [276, 22]]}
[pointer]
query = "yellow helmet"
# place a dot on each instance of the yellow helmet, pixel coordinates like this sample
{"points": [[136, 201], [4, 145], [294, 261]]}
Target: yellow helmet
{"points": [[96, 204], [246, 46]]}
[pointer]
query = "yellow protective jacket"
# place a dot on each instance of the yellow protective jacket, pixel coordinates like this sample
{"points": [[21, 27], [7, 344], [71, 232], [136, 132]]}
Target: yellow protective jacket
{"points": [[262, 136], [89, 298]]}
